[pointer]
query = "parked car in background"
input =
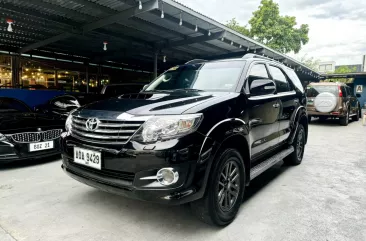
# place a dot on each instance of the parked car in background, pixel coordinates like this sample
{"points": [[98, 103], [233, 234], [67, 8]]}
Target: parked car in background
{"points": [[25, 134], [197, 134], [332, 99]]}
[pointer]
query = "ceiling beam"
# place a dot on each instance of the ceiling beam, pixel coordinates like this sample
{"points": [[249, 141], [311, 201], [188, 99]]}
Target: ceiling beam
{"points": [[193, 40], [124, 15]]}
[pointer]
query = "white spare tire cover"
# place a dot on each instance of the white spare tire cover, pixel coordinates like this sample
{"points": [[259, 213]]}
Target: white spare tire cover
{"points": [[325, 102]]}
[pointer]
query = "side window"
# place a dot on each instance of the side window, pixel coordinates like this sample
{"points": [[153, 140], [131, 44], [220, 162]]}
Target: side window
{"points": [[295, 80], [280, 79], [258, 71]]}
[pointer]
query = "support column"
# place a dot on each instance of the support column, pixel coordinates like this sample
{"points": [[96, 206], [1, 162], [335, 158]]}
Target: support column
{"points": [[15, 71], [56, 79], [87, 77], [155, 65]]}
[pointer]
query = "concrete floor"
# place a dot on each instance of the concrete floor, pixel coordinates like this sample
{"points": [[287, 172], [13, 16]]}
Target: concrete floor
{"points": [[322, 199]]}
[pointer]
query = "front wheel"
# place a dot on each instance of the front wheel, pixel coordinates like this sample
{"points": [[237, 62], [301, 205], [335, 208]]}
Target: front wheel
{"points": [[225, 190], [295, 158]]}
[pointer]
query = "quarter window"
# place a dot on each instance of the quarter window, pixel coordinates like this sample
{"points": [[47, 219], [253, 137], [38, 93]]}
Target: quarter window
{"points": [[280, 79]]}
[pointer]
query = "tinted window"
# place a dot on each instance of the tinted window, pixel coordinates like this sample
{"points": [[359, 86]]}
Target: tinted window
{"points": [[13, 105], [280, 79], [214, 76], [259, 71], [295, 80], [315, 90]]}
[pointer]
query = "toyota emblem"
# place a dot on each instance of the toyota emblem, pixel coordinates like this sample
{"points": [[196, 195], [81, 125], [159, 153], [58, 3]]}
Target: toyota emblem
{"points": [[92, 124]]}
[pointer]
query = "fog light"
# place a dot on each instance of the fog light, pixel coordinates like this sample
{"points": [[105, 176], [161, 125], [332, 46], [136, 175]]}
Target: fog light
{"points": [[167, 176]]}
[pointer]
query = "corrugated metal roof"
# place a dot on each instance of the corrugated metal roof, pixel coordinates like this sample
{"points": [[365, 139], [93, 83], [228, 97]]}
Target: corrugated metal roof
{"points": [[47, 24]]}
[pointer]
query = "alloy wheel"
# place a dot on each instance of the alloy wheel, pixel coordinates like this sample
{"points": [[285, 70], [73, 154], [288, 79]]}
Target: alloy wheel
{"points": [[228, 186], [300, 144]]}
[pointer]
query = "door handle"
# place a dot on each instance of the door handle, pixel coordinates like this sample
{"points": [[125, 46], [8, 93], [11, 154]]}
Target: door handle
{"points": [[276, 105]]}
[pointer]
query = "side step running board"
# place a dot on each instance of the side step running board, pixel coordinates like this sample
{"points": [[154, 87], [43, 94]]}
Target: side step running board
{"points": [[263, 166]]}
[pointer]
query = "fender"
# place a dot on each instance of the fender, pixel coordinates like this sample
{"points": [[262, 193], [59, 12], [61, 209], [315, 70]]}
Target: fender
{"points": [[299, 113], [215, 127]]}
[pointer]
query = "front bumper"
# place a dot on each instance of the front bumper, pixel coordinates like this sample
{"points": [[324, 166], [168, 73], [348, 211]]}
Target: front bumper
{"points": [[11, 151], [123, 173]]}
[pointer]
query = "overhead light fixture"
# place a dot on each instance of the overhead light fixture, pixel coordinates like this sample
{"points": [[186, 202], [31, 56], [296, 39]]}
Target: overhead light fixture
{"points": [[240, 46], [164, 59], [232, 43], [222, 39], [180, 20], [209, 33], [140, 5], [248, 48], [9, 22], [255, 50], [196, 29], [162, 9], [105, 45]]}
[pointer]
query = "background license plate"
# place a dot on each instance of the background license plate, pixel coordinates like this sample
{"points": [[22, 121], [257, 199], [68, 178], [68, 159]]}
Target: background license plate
{"points": [[39, 146], [88, 158]]}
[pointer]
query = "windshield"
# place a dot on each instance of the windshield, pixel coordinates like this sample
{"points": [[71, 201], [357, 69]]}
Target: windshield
{"points": [[216, 76], [315, 90]]}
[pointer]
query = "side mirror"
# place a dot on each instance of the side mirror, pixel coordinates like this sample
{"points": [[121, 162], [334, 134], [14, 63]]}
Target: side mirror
{"points": [[144, 88], [262, 87], [358, 95]]}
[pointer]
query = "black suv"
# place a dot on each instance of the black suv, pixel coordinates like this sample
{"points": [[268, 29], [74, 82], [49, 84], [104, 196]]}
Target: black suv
{"points": [[199, 133]]}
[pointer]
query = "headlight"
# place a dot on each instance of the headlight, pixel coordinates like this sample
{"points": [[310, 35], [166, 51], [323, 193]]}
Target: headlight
{"points": [[167, 127]]}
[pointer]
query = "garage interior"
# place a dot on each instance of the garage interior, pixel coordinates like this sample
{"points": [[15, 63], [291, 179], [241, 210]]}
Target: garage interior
{"points": [[80, 45]]}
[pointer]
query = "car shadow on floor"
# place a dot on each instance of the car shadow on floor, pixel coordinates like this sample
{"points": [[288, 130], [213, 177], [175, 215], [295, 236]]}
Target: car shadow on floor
{"points": [[28, 163], [177, 217], [329, 122]]}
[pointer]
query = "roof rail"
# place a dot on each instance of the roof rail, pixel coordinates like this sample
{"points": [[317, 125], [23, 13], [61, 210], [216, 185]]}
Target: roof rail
{"points": [[195, 61], [249, 56]]}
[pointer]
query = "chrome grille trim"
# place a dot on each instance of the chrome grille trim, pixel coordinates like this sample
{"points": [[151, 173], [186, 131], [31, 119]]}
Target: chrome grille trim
{"points": [[31, 137], [115, 132]]}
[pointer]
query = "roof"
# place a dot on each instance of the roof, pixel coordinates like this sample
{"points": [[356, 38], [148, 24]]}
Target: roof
{"points": [[345, 75], [76, 30]]}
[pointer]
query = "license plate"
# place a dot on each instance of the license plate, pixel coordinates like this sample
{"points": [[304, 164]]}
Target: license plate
{"points": [[88, 158], [310, 102], [40, 146]]}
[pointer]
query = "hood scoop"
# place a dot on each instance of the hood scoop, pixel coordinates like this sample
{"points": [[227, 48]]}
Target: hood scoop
{"points": [[142, 96]]}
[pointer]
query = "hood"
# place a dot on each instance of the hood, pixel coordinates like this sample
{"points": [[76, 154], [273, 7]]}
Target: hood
{"points": [[147, 103], [20, 122]]}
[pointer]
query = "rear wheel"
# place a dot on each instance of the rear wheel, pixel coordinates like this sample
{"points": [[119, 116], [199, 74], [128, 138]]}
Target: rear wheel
{"points": [[356, 117], [295, 158], [225, 190], [344, 120]]}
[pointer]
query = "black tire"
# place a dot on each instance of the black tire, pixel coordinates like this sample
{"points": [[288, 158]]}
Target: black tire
{"points": [[344, 120], [357, 116], [209, 209], [295, 158]]}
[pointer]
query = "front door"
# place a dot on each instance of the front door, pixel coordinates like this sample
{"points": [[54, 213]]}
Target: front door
{"points": [[263, 112], [287, 99]]}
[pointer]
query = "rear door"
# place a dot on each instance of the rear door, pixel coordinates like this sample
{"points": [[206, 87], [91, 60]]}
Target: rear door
{"points": [[263, 112], [287, 99], [322, 98]]}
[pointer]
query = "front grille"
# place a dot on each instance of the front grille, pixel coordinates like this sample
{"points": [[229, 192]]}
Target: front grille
{"points": [[108, 132], [29, 137], [125, 176]]}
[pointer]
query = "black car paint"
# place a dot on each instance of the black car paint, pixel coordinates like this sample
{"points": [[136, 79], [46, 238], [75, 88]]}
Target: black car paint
{"points": [[261, 128], [20, 122]]}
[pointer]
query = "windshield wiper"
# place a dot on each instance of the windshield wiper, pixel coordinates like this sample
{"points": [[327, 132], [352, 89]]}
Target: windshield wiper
{"points": [[189, 89]]}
